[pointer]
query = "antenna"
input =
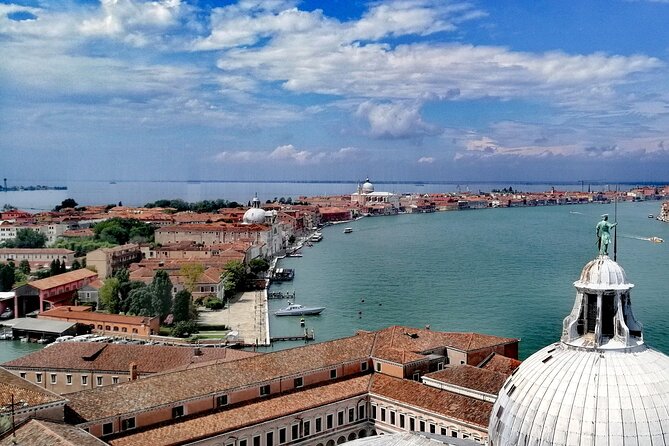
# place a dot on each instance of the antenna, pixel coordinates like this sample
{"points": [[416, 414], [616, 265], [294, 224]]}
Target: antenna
{"points": [[615, 228]]}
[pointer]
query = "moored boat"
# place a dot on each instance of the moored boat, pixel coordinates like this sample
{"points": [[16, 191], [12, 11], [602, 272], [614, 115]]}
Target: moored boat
{"points": [[316, 237], [298, 310], [348, 230]]}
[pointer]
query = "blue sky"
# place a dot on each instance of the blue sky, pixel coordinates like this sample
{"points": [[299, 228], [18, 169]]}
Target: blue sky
{"points": [[315, 90]]}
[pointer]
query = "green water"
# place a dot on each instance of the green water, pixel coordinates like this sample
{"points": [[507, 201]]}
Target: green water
{"points": [[15, 349], [507, 272]]}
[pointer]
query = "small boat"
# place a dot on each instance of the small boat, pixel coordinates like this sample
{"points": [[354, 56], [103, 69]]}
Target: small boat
{"points": [[317, 237], [298, 310], [651, 216], [655, 240], [294, 254], [348, 230]]}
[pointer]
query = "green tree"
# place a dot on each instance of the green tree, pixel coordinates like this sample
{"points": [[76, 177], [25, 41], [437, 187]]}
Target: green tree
{"points": [[75, 265], [65, 204], [7, 276], [162, 293], [54, 268], [27, 238], [109, 295], [24, 266], [184, 329], [181, 310], [234, 277], [192, 273], [258, 265], [141, 301]]}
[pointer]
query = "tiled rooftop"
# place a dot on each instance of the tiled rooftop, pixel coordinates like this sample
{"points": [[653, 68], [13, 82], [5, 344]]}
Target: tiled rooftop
{"points": [[114, 357], [23, 390], [247, 415], [500, 363], [63, 313], [487, 381], [172, 387], [442, 402], [191, 383], [48, 433], [62, 279]]}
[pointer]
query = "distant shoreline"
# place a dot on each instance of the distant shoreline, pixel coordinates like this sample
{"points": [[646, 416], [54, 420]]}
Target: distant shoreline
{"points": [[31, 188]]}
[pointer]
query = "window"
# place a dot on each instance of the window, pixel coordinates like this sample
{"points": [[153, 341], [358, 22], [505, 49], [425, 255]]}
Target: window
{"points": [[242, 442], [282, 435], [128, 423], [53, 378], [392, 417], [440, 366], [454, 434], [23, 375], [433, 428], [340, 418], [443, 431], [177, 411], [38, 377], [68, 379], [351, 415], [361, 412], [114, 379], [299, 382], [319, 424], [328, 421], [383, 414], [378, 366], [295, 431], [107, 428], [264, 390], [363, 366], [269, 439], [412, 424], [124, 329], [421, 424], [333, 373], [84, 380], [256, 440], [107, 327], [306, 429], [402, 421], [221, 400], [416, 376], [99, 380]]}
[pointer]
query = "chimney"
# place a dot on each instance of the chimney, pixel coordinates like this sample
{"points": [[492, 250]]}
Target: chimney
{"points": [[197, 351], [133, 371]]}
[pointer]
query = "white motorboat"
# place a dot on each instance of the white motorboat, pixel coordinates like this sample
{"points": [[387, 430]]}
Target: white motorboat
{"points": [[348, 230], [298, 310], [316, 237]]}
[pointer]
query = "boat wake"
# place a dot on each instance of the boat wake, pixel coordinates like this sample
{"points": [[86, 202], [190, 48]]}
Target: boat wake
{"points": [[646, 239]]}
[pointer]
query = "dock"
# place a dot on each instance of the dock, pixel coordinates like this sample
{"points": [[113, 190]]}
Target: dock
{"points": [[281, 295], [307, 336]]}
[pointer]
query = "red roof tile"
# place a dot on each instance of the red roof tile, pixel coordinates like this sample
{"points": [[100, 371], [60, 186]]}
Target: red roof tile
{"points": [[62, 279]]}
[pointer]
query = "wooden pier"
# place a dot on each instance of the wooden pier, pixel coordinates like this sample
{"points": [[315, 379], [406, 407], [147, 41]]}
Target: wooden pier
{"points": [[307, 336]]}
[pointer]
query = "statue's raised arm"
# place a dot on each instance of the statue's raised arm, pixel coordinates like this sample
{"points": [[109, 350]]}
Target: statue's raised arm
{"points": [[603, 229]]}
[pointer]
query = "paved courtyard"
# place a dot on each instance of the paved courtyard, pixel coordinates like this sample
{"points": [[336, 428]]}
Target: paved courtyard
{"points": [[246, 314]]}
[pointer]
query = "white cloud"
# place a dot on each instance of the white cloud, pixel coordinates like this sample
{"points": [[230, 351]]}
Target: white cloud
{"points": [[288, 154], [426, 160], [395, 120]]}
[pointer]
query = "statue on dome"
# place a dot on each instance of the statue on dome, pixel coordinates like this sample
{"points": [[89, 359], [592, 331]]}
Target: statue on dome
{"points": [[603, 230]]}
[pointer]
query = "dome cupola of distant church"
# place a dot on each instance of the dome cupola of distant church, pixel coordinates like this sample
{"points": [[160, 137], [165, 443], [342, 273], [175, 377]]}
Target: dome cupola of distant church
{"points": [[600, 384], [255, 215], [367, 187]]}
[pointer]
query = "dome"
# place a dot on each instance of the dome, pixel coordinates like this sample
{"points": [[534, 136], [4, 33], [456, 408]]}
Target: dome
{"points": [[254, 216], [603, 273], [563, 395], [367, 187]]}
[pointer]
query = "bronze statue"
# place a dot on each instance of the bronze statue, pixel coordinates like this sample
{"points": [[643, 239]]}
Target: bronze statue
{"points": [[603, 230]]}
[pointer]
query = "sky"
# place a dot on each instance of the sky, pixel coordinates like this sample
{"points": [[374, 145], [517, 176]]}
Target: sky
{"points": [[514, 90]]}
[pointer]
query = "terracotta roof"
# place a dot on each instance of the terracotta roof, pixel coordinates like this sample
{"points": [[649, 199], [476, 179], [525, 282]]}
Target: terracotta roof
{"points": [[247, 415], [121, 248], [500, 363], [114, 357], [178, 386], [448, 404], [62, 279], [48, 433], [23, 390], [63, 313], [487, 381], [35, 251]]}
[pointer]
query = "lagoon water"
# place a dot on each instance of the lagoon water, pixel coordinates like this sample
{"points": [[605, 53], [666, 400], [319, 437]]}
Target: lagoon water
{"points": [[506, 272]]}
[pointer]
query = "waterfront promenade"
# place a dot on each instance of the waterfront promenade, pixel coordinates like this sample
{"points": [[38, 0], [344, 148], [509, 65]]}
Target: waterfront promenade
{"points": [[246, 314]]}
